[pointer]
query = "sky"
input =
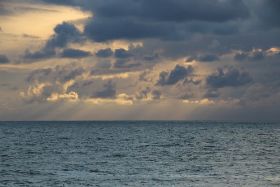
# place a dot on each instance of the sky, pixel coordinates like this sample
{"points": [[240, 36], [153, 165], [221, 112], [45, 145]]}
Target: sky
{"points": [[140, 60]]}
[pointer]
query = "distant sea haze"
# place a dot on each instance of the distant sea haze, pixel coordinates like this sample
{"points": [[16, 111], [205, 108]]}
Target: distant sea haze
{"points": [[139, 153]]}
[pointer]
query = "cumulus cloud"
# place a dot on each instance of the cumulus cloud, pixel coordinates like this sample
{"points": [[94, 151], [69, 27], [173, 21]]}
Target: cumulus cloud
{"points": [[104, 53], [174, 76], [228, 77], [64, 34]]}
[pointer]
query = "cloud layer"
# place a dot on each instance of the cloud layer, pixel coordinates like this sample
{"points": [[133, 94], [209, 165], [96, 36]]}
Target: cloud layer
{"points": [[205, 57]]}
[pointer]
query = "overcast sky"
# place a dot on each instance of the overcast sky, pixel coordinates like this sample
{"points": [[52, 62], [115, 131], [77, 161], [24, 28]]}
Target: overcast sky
{"points": [[140, 60]]}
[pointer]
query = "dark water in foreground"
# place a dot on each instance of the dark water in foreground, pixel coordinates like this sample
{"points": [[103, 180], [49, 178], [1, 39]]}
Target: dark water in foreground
{"points": [[139, 154]]}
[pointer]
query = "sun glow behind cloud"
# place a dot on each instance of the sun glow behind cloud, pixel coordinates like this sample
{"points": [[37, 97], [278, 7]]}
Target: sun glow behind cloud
{"points": [[36, 19]]}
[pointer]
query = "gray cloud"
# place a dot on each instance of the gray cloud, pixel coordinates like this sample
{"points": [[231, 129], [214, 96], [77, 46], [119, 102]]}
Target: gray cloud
{"points": [[75, 53], [64, 34], [148, 93], [204, 58], [44, 53], [122, 53], [4, 59], [177, 74], [124, 63], [250, 56], [228, 77], [227, 22], [269, 12], [104, 53], [208, 58], [108, 91], [59, 73], [172, 20]]}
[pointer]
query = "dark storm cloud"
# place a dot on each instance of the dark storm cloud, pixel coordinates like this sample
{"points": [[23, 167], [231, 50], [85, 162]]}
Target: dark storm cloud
{"points": [[104, 29], [269, 13], [104, 53], [193, 26], [108, 91], [177, 74], [228, 77], [167, 10], [4, 59], [64, 34], [164, 19], [226, 21], [175, 10], [75, 53]]}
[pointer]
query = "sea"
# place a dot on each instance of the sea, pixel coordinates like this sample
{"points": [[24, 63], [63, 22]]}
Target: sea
{"points": [[139, 153]]}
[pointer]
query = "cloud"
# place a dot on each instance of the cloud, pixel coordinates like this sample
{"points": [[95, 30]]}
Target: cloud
{"points": [[186, 26], [75, 53], [228, 77], [120, 99], [104, 53], [204, 58], [177, 74], [178, 10], [64, 34], [124, 63], [108, 91], [4, 10], [122, 53], [148, 94], [53, 84], [160, 19], [43, 53], [268, 12], [4, 59], [61, 74], [254, 55], [71, 96], [208, 58]]}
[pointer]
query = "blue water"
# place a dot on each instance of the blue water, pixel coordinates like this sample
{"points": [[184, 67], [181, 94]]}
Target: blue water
{"points": [[139, 154]]}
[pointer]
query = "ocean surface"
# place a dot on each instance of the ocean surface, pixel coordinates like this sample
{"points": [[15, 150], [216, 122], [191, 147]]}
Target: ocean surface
{"points": [[154, 153]]}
